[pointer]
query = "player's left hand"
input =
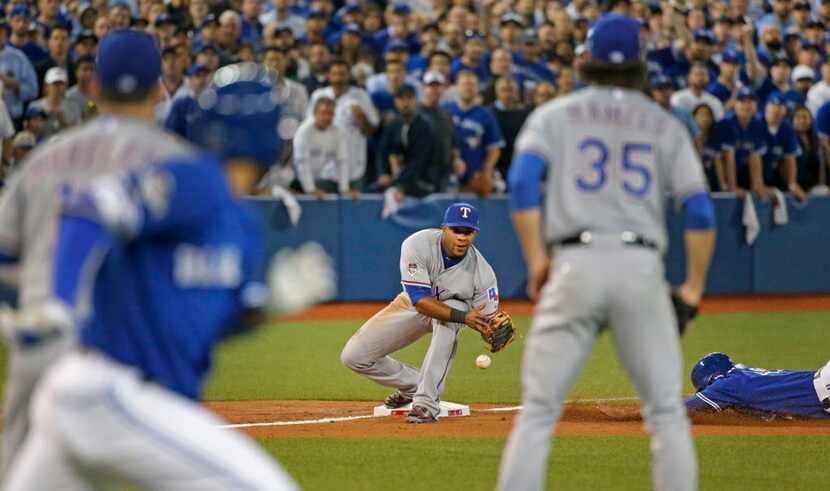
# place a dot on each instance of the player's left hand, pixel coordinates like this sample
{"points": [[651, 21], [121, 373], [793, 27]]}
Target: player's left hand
{"points": [[300, 278]]}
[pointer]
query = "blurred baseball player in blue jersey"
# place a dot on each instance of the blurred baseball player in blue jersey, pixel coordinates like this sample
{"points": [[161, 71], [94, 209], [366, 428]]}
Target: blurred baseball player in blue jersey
{"points": [[160, 264], [721, 384]]}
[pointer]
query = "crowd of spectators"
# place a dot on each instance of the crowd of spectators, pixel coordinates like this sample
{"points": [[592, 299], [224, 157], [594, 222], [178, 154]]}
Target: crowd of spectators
{"points": [[426, 96]]}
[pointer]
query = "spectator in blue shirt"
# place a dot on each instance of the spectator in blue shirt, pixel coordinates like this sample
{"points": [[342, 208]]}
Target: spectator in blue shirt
{"points": [[478, 133], [473, 59], [20, 20], [725, 85], [747, 132], [398, 30], [20, 84], [778, 81], [661, 91], [779, 17], [782, 148]]}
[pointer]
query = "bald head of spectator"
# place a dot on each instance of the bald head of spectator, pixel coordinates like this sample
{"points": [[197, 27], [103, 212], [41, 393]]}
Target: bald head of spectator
{"points": [[230, 28]]}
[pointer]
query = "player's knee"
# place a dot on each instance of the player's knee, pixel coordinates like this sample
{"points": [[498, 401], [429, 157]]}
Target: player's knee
{"points": [[353, 359]]}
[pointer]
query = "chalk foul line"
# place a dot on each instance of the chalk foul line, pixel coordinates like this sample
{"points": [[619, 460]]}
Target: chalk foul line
{"points": [[506, 409]]}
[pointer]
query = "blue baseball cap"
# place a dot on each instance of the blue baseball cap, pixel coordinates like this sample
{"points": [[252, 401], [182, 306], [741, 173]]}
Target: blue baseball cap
{"points": [[20, 10], [703, 35], [396, 45], [729, 57], [401, 9], [745, 93], [710, 368], [198, 67], [128, 62], [661, 81], [461, 215], [776, 98], [615, 39]]}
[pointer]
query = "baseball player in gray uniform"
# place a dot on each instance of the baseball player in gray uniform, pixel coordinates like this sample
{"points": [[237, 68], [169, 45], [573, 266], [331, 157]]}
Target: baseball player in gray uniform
{"points": [[127, 71], [447, 283], [610, 156]]}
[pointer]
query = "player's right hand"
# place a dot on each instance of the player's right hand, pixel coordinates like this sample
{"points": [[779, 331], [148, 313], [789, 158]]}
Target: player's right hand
{"points": [[476, 320]]}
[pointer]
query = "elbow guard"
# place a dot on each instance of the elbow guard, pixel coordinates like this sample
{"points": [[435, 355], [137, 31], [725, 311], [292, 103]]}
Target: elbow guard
{"points": [[700, 212]]}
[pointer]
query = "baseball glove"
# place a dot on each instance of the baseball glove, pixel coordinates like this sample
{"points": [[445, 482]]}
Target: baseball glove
{"points": [[500, 333], [683, 311]]}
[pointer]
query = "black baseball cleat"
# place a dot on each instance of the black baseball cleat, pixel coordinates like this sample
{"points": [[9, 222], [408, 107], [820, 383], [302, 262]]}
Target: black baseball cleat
{"points": [[420, 414], [397, 399]]}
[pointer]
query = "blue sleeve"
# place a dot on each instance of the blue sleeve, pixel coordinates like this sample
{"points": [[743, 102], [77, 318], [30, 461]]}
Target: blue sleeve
{"points": [[726, 135], [694, 403], [81, 244], [416, 293], [176, 198], [700, 212], [791, 146], [525, 177], [759, 137], [7, 259], [28, 81]]}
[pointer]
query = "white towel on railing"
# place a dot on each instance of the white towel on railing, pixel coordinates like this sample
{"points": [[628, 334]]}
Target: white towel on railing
{"points": [[291, 205], [392, 202], [750, 220], [779, 208]]}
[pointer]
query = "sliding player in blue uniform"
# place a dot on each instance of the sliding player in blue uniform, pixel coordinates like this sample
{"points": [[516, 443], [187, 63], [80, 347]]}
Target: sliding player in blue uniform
{"points": [[722, 384], [160, 265]]}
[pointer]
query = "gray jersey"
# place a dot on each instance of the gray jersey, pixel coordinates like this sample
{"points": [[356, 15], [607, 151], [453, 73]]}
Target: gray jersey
{"points": [[30, 203], [472, 280], [613, 154]]}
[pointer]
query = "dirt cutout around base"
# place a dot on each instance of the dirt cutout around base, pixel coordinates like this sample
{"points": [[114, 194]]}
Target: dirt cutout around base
{"points": [[579, 419]]}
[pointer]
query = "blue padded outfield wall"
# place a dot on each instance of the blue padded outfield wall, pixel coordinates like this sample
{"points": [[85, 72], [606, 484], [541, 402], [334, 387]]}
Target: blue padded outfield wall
{"points": [[794, 258]]}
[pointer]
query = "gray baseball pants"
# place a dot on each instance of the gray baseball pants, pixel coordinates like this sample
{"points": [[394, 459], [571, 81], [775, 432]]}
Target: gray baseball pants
{"points": [[591, 287], [396, 326]]}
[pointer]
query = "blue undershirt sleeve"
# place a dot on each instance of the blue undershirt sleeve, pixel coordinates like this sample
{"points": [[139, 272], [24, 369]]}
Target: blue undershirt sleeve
{"points": [[700, 213], [417, 292], [6, 259], [524, 181]]}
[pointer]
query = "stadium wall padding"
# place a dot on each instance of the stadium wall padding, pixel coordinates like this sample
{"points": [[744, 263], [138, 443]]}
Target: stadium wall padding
{"points": [[793, 258]]}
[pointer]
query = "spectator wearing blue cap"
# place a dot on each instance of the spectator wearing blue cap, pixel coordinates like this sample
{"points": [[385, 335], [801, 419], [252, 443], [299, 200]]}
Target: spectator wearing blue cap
{"points": [[204, 32], [676, 63], [478, 133], [58, 46], [695, 93], [529, 62], [407, 150], [747, 134], [86, 44], [20, 82], [33, 121], [316, 27], [282, 16], [779, 81], [184, 109], [472, 58], [726, 84], [20, 34], [779, 161], [396, 30], [819, 93]]}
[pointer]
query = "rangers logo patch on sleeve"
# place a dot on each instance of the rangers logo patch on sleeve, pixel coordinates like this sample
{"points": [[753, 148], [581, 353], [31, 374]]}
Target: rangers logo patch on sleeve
{"points": [[493, 294], [412, 268]]}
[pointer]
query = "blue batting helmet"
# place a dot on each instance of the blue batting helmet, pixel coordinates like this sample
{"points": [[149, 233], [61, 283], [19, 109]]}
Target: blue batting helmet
{"points": [[239, 115], [710, 368]]}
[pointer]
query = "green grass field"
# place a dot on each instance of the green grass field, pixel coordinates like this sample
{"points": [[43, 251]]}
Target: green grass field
{"points": [[301, 361]]}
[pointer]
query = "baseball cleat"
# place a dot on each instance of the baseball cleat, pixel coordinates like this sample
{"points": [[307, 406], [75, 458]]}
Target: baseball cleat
{"points": [[397, 399], [420, 414]]}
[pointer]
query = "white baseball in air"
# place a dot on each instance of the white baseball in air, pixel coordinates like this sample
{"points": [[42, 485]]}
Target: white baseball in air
{"points": [[483, 361]]}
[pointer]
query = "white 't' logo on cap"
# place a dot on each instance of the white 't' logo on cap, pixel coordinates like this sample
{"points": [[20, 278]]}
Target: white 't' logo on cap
{"points": [[465, 212]]}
